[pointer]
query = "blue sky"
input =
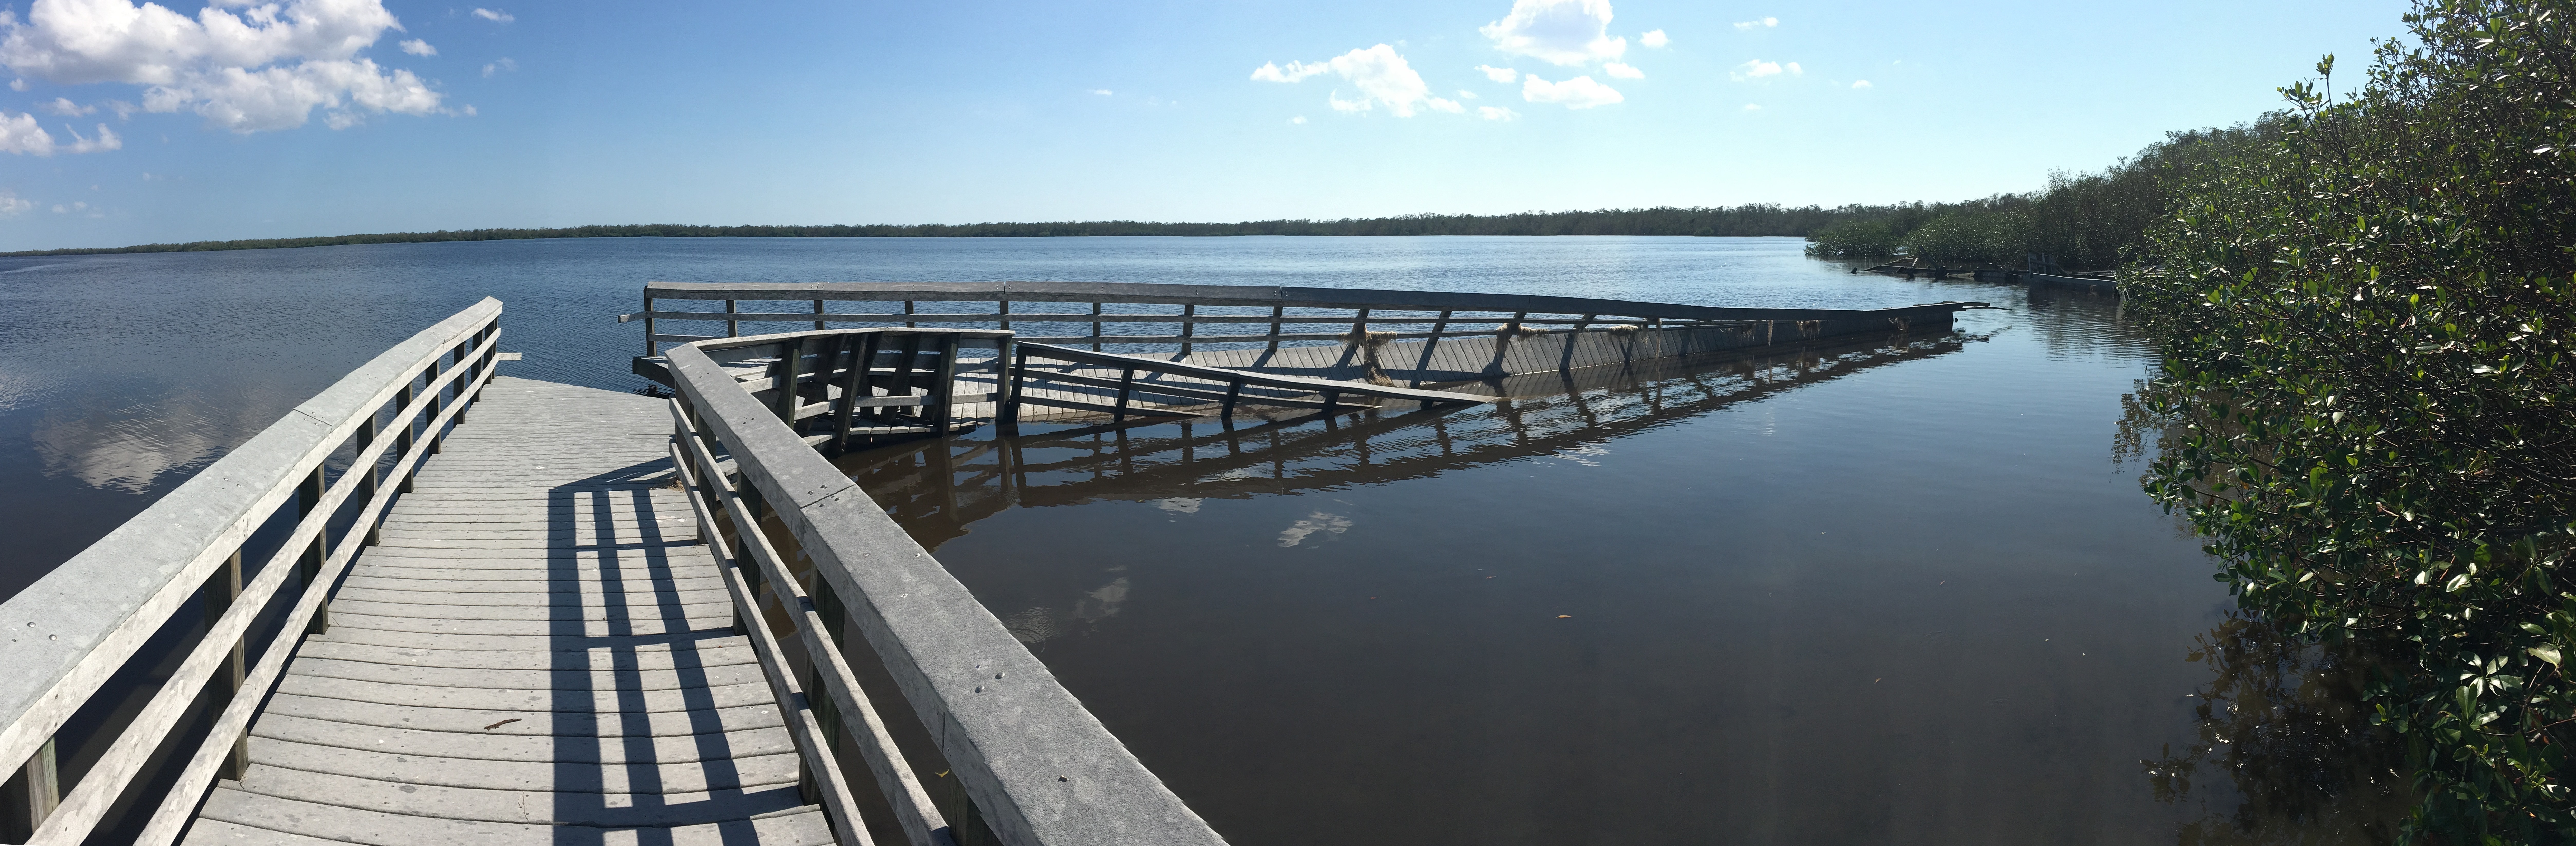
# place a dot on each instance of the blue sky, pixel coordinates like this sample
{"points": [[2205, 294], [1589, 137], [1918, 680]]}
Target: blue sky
{"points": [[127, 124]]}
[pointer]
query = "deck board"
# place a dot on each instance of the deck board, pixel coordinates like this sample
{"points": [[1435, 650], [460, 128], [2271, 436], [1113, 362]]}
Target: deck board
{"points": [[538, 649]]}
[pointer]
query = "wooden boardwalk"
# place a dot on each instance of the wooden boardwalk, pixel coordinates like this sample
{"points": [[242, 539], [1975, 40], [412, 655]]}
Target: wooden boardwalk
{"points": [[538, 649]]}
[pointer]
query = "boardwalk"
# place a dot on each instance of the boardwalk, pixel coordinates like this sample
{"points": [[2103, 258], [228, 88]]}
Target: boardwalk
{"points": [[538, 649]]}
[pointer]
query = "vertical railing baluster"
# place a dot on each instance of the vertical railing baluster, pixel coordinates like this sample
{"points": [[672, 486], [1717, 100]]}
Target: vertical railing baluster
{"points": [[782, 378], [222, 590], [1437, 327], [40, 790], [1126, 388], [1005, 311], [308, 496], [403, 439], [1013, 366], [1275, 313], [861, 350], [732, 327], [648, 324], [943, 386], [901, 384], [818, 309], [1188, 310], [907, 311], [1095, 327]]}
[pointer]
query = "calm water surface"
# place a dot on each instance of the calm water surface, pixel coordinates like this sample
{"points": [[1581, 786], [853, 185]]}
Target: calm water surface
{"points": [[1877, 593]]}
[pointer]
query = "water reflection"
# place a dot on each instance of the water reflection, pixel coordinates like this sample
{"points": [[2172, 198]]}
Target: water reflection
{"points": [[2286, 752], [938, 489]]}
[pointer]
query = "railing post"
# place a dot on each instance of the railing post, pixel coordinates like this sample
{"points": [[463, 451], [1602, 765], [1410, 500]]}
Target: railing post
{"points": [[1359, 326], [1275, 313], [403, 439], [40, 790], [907, 310], [1005, 310], [1233, 389], [307, 496], [1008, 361], [943, 386], [782, 378], [1095, 327], [648, 324], [1188, 310], [818, 309], [1437, 327], [1126, 387], [732, 327], [222, 589]]}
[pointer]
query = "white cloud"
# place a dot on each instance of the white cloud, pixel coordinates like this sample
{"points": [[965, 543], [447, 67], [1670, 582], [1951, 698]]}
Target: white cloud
{"points": [[419, 47], [1103, 92], [1622, 71], [1757, 69], [1299, 120], [1382, 77], [1496, 113], [1500, 74], [1765, 22], [65, 107], [1655, 38], [494, 15], [11, 205], [1561, 32], [1578, 93], [19, 84], [1465, 94], [265, 68], [22, 135], [1861, 84], [501, 65]]}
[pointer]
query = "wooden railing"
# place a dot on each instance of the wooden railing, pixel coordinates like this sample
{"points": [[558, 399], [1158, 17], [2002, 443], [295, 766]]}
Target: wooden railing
{"points": [[1037, 769], [74, 629], [1348, 312]]}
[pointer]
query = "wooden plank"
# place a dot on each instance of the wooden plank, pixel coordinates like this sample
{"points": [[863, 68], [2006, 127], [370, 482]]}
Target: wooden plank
{"points": [[527, 807], [377, 828], [1221, 374], [522, 722], [714, 747], [657, 657], [534, 699]]}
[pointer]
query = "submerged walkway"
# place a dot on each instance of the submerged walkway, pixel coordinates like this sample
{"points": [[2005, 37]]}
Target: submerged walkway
{"points": [[538, 650]]}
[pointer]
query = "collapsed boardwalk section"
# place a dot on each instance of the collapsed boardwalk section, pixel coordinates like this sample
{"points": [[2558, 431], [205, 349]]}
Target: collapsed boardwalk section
{"points": [[538, 649]]}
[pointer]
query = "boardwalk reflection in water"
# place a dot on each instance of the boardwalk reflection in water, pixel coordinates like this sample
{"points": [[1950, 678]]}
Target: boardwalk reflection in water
{"points": [[937, 490]]}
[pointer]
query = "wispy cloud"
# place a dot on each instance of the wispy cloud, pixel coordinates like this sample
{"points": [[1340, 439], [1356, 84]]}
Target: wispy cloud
{"points": [[1560, 32], [1655, 38], [419, 47], [501, 65], [1764, 23], [1496, 113], [494, 15], [1622, 71], [21, 134], [1752, 107], [1581, 92], [65, 107], [1861, 84], [1298, 120], [1383, 77], [11, 205], [1759, 69], [1499, 74], [1103, 92]]}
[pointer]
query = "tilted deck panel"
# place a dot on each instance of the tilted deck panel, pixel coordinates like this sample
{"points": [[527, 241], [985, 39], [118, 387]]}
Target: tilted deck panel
{"points": [[538, 649]]}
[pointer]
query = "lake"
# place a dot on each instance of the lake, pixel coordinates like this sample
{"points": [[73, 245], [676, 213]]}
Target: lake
{"points": [[1880, 593]]}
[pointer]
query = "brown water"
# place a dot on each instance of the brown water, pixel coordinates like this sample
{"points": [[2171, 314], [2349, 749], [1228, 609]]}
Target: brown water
{"points": [[1881, 593]]}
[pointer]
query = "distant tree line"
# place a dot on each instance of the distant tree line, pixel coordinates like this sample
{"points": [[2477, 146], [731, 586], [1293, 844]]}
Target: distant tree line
{"points": [[2081, 220], [1744, 220]]}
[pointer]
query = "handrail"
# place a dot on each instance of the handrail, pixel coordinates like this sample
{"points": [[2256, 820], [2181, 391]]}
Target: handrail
{"points": [[104, 603], [1037, 768], [1457, 312]]}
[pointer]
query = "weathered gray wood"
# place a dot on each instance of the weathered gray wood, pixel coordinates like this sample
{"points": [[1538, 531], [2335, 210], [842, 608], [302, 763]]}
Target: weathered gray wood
{"points": [[714, 747], [95, 610], [1038, 767], [515, 722], [723, 652], [526, 807], [1223, 375], [378, 828], [1229, 295]]}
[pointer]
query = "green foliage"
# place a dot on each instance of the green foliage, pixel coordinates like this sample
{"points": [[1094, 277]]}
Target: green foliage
{"points": [[1991, 237], [1750, 219], [2365, 322], [1854, 239]]}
